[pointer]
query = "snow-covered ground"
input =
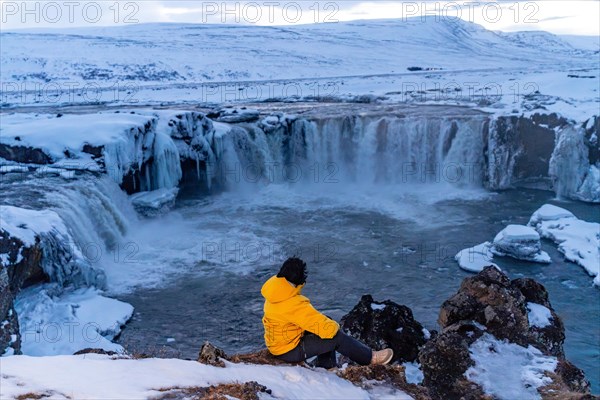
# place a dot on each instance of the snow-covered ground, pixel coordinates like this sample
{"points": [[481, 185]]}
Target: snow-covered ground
{"points": [[185, 63], [94, 376]]}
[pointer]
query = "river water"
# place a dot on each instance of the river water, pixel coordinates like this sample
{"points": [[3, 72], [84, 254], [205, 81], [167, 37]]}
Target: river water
{"points": [[195, 274]]}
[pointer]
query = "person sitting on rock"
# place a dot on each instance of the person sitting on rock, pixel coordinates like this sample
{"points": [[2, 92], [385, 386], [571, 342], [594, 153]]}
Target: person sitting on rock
{"points": [[295, 331]]}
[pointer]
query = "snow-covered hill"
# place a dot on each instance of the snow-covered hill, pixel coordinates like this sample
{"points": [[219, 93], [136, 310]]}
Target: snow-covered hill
{"points": [[155, 53]]}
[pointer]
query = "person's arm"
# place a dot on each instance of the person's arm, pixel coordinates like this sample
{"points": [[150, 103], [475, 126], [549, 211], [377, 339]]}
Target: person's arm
{"points": [[306, 317]]}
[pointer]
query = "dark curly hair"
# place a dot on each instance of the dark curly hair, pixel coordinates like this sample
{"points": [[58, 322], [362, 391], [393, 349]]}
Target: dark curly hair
{"points": [[294, 270]]}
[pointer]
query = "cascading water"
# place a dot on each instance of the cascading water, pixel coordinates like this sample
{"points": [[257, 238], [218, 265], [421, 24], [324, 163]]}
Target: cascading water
{"points": [[366, 150]]}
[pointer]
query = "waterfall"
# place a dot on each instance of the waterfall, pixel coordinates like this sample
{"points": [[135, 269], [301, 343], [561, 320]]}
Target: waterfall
{"points": [[363, 150]]}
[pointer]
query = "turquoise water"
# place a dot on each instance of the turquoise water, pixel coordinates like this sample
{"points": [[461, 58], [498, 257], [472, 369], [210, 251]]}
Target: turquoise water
{"points": [[395, 245]]}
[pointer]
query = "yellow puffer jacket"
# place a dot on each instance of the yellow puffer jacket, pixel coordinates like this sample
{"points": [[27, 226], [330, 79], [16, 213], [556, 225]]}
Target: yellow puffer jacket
{"points": [[288, 314]]}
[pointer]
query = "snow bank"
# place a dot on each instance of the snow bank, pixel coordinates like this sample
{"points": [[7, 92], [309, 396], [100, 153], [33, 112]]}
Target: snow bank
{"points": [[522, 368], [53, 321], [69, 132], [126, 141], [25, 224], [93, 376], [520, 242], [538, 315], [475, 259], [578, 240]]}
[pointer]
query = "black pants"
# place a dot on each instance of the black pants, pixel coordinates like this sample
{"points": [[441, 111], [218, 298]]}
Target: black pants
{"points": [[312, 345]]}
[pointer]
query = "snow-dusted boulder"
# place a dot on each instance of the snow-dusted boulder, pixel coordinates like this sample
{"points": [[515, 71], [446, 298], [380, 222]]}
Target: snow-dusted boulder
{"points": [[549, 212], [155, 202], [520, 242], [578, 240], [499, 338], [476, 258]]}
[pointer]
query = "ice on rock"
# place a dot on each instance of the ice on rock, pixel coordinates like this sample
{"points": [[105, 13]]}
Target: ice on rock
{"points": [[25, 224], [538, 315], [62, 260], [590, 188], [126, 141], [549, 212], [570, 166], [475, 259], [155, 202], [53, 321], [578, 240], [520, 242]]}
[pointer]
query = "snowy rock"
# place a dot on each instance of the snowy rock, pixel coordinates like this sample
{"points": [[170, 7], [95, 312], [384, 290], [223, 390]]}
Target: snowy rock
{"points": [[155, 202], [519, 149], [475, 259], [58, 321], [378, 327], [489, 299], [235, 115], [211, 355], [127, 146], [549, 212], [578, 240], [493, 324], [520, 242], [523, 368]]}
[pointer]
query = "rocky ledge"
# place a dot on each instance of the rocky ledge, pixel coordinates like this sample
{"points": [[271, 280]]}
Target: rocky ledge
{"points": [[498, 339]]}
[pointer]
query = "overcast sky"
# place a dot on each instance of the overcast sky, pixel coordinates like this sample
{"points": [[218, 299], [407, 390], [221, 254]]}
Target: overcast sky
{"points": [[556, 16]]}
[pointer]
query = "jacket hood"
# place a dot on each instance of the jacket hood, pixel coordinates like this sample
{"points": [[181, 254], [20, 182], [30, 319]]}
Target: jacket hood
{"points": [[276, 290]]}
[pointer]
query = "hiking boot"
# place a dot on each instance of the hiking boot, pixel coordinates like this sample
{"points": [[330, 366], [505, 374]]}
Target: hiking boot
{"points": [[382, 357]]}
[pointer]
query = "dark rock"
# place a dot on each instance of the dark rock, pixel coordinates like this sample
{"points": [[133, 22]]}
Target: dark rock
{"points": [[444, 361], [235, 115], [549, 339], [24, 154], [90, 350], [489, 299], [573, 377], [211, 355], [385, 324], [519, 149], [592, 138], [13, 276], [260, 357], [243, 391], [95, 151], [533, 291]]}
